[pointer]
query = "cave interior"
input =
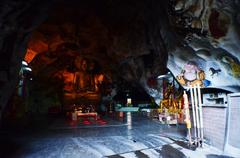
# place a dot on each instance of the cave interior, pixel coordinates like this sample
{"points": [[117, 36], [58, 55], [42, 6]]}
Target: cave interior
{"points": [[56, 55]]}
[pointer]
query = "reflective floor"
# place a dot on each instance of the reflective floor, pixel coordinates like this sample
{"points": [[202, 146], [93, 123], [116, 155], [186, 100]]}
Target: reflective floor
{"points": [[133, 136]]}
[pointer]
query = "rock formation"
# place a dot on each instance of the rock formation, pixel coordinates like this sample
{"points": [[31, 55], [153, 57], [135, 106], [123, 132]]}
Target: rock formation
{"points": [[131, 41]]}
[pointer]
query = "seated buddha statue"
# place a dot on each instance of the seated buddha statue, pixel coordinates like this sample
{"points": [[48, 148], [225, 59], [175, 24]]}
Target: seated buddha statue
{"points": [[82, 78]]}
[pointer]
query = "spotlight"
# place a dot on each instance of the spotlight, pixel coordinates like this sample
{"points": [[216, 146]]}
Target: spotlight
{"points": [[164, 76], [27, 68], [24, 63]]}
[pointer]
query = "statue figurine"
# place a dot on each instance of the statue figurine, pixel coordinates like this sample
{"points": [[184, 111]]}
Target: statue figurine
{"points": [[191, 75], [82, 79]]}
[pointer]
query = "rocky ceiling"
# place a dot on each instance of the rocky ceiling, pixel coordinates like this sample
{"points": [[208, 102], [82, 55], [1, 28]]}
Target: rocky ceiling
{"points": [[210, 47], [132, 40]]}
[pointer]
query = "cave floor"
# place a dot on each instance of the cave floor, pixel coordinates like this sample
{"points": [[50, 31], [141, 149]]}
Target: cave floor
{"points": [[133, 136]]}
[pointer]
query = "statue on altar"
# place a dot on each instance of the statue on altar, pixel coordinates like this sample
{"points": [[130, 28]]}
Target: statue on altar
{"points": [[82, 86], [83, 77]]}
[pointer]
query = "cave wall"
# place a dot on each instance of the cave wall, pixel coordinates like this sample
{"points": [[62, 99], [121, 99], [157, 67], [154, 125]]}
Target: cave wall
{"points": [[134, 41], [126, 45], [123, 36], [210, 46], [17, 20]]}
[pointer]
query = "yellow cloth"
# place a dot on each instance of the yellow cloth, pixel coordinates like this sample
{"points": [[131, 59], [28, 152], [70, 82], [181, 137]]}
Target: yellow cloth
{"points": [[188, 123]]}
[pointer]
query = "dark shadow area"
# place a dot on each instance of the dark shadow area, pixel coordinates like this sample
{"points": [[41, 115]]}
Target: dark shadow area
{"points": [[9, 148], [170, 152], [218, 156], [186, 145], [140, 154], [115, 156]]}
